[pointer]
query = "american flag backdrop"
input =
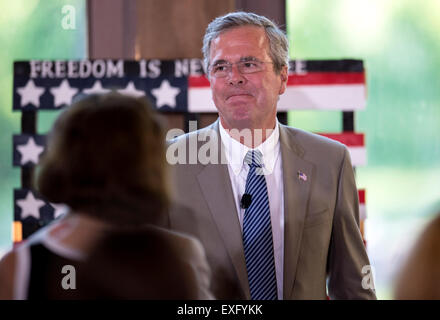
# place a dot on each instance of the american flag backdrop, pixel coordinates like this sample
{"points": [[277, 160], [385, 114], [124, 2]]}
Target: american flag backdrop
{"points": [[178, 86], [49, 85], [355, 144], [312, 85]]}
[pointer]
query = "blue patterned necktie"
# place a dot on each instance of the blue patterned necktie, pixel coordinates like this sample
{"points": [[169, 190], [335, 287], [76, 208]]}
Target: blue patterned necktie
{"points": [[257, 233]]}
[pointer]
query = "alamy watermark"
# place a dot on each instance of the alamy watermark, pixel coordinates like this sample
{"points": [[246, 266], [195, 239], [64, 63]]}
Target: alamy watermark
{"points": [[368, 278], [68, 22], [68, 282], [205, 147]]}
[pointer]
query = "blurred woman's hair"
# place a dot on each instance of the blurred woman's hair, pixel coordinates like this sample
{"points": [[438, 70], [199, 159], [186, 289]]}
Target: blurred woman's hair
{"points": [[419, 277], [105, 157]]}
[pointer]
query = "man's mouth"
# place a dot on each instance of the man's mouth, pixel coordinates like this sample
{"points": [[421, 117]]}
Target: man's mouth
{"points": [[238, 95]]}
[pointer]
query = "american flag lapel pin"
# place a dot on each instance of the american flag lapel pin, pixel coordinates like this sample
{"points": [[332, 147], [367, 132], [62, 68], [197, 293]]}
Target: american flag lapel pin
{"points": [[302, 176]]}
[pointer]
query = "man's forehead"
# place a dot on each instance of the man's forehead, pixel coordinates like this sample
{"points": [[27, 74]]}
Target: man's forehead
{"points": [[248, 32], [240, 42]]}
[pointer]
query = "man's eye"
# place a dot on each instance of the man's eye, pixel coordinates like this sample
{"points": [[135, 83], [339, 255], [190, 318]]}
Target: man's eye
{"points": [[249, 65], [219, 68]]}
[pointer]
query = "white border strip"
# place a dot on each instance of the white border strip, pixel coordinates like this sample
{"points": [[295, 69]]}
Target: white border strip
{"points": [[358, 156], [346, 97]]}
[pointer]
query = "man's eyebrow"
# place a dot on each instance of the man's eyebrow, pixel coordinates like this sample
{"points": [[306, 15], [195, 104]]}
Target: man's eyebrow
{"points": [[221, 61], [249, 58], [242, 59]]}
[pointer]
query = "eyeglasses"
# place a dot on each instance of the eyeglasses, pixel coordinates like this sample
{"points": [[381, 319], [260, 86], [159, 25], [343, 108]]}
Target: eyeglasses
{"points": [[222, 70]]}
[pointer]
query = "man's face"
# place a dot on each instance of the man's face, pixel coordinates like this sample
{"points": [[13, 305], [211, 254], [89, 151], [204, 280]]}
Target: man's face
{"points": [[245, 100]]}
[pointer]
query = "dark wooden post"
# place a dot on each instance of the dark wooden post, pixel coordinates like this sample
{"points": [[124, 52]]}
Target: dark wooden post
{"points": [[150, 29]]}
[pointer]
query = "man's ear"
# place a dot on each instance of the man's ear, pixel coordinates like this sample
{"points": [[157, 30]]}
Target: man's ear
{"points": [[284, 77]]}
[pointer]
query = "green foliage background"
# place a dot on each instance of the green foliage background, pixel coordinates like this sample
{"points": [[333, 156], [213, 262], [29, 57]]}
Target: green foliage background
{"points": [[399, 43], [29, 29]]}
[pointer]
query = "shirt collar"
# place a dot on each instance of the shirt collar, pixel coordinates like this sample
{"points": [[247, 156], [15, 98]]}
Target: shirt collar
{"points": [[235, 151]]}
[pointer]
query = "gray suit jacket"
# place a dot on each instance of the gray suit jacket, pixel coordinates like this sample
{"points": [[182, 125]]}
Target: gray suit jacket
{"points": [[321, 233]]}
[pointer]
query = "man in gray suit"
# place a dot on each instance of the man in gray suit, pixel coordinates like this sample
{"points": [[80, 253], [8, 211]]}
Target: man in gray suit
{"points": [[308, 191]]}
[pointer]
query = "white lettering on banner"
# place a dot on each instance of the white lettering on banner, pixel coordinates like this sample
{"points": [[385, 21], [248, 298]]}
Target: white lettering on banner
{"points": [[149, 69], [98, 69], [35, 68], [115, 70], [85, 69], [46, 71], [196, 67], [81, 69], [60, 69], [181, 68], [186, 67], [72, 69], [154, 66], [299, 68]]}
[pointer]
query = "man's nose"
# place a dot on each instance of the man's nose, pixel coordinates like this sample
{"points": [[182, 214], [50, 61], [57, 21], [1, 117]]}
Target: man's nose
{"points": [[235, 76]]}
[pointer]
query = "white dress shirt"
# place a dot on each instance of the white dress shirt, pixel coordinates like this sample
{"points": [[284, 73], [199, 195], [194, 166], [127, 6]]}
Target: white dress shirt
{"points": [[272, 169]]}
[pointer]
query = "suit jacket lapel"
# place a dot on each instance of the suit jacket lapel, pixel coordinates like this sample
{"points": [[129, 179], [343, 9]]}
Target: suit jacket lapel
{"points": [[217, 190], [296, 194]]}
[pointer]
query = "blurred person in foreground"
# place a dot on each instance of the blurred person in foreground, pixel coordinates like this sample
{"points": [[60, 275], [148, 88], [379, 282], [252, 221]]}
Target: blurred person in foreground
{"points": [[105, 159], [419, 278]]}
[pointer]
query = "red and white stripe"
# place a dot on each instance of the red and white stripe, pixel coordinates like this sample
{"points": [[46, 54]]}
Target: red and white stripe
{"points": [[199, 95], [344, 91], [355, 143], [362, 207]]}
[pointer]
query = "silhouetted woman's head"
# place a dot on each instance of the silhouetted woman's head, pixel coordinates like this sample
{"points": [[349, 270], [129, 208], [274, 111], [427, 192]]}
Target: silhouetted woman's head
{"points": [[105, 157]]}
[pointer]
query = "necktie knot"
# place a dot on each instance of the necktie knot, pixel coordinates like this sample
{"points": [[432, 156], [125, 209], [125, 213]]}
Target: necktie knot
{"points": [[254, 158]]}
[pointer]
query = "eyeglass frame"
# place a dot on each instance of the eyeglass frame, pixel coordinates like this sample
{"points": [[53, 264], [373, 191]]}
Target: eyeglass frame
{"points": [[239, 63]]}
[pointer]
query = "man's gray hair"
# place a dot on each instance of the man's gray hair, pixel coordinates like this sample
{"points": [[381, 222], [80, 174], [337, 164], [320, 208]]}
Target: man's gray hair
{"points": [[278, 43]]}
